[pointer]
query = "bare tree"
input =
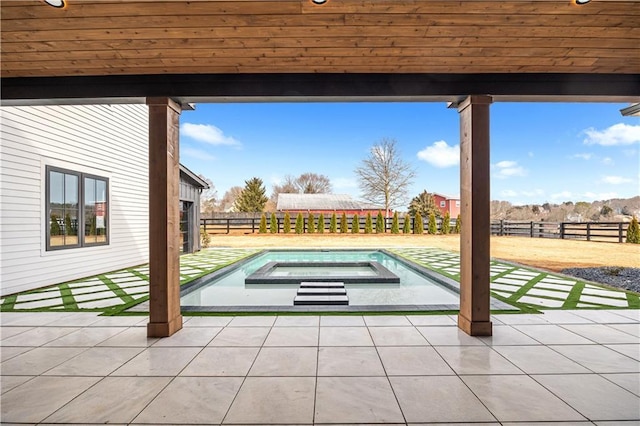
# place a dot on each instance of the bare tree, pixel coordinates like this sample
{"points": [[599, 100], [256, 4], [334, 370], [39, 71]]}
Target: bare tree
{"points": [[313, 183], [229, 198], [208, 197], [384, 177]]}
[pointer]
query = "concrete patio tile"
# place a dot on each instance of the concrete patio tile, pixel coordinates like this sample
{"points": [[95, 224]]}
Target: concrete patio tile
{"points": [[617, 423], [540, 301], [564, 317], [520, 319], [476, 360], [285, 362], [585, 423], [349, 361], [385, 320], [273, 400], [345, 336], [78, 319], [253, 321], [6, 332], [102, 303], [37, 336], [86, 337], [413, 361], [623, 303], [539, 360], [448, 336], [292, 336], [601, 333], [633, 314], [158, 362], [438, 399], [630, 350], [113, 399], [200, 336], [397, 336], [552, 334], [507, 335], [34, 319], [632, 329], [241, 336], [515, 398], [297, 321], [94, 362], [606, 316], [36, 399], [206, 321], [8, 352], [214, 361], [356, 400], [192, 400], [342, 321], [9, 382], [593, 396], [628, 381], [123, 321], [599, 359], [37, 361], [130, 337], [431, 320]]}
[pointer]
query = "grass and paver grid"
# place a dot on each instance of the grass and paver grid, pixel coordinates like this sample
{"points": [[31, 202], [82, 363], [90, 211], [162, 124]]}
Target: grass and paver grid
{"points": [[520, 286]]}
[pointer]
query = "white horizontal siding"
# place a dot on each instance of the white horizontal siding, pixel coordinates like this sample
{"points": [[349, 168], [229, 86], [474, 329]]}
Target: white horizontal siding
{"points": [[105, 140]]}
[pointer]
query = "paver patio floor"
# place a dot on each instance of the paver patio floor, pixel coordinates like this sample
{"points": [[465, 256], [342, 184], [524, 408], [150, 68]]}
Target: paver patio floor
{"points": [[81, 368]]}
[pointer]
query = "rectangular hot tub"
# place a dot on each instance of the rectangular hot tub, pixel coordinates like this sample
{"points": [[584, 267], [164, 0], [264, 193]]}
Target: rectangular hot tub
{"points": [[347, 272]]}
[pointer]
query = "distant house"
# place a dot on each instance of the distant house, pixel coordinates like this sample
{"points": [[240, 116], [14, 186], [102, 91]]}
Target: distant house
{"points": [[446, 204], [324, 203], [191, 186]]}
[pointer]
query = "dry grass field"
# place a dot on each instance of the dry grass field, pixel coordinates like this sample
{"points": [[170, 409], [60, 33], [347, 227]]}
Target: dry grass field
{"points": [[542, 253]]}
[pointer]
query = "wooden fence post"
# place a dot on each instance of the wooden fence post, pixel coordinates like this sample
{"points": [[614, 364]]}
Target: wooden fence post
{"points": [[228, 225], [588, 231], [562, 230], [620, 232]]}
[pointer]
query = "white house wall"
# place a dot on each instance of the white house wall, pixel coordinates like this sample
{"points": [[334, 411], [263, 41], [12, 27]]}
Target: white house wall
{"points": [[105, 140]]}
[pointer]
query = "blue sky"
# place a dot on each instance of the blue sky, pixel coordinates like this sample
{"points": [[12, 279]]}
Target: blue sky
{"points": [[540, 152]]}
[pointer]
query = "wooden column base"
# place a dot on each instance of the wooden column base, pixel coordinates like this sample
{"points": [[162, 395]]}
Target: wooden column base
{"points": [[164, 329], [474, 328]]}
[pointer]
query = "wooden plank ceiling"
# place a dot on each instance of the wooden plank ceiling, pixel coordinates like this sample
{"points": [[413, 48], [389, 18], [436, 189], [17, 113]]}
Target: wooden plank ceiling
{"points": [[100, 38]]}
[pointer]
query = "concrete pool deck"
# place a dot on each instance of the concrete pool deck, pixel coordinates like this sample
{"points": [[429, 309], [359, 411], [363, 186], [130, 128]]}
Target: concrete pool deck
{"points": [[564, 367]]}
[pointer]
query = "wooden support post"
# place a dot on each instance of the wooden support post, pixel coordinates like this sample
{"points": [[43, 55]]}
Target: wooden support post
{"points": [[474, 317], [164, 218]]}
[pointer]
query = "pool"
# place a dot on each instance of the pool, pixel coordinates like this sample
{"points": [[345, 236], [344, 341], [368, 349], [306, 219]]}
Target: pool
{"points": [[414, 287]]}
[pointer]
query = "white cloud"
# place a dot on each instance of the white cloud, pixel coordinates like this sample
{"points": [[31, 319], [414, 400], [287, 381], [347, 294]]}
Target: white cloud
{"points": [[616, 180], [440, 154], [534, 193], [608, 161], [592, 196], [582, 156], [509, 193], [507, 169], [618, 134], [341, 183], [208, 134], [565, 195], [196, 153]]}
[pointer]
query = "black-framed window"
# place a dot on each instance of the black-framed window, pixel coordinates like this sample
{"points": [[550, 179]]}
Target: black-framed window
{"points": [[77, 206]]}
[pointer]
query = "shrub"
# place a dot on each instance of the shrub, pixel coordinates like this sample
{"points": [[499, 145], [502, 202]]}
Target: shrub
{"points": [[205, 239], [321, 223], [333, 226], [380, 225], [355, 224], [418, 224], [68, 229], [446, 224], [633, 232], [311, 226], [299, 224], [55, 226], [433, 227], [286, 226], [406, 228], [368, 224], [456, 229], [343, 224], [395, 226], [263, 224], [273, 226]]}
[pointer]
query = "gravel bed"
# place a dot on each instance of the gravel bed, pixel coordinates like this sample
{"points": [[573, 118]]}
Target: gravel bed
{"points": [[624, 278]]}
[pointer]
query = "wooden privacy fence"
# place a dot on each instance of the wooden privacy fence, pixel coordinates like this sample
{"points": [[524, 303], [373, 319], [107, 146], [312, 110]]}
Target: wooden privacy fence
{"points": [[590, 231]]}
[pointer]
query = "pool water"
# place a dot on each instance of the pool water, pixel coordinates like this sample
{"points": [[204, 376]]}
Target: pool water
{"points": [[230, 289]]}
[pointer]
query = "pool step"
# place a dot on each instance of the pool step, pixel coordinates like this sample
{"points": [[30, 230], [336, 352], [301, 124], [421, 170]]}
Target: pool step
{"points": [[321, 293]]}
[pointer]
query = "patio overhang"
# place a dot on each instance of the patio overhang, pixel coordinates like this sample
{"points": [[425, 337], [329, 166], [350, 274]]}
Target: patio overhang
{"points": [[171, 53]]}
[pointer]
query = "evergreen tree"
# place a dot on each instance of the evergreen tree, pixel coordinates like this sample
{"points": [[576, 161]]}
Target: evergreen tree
{"points": [[299, 224], [273, 226], [252, 198], [433, 226], [395, 226], [355, 224], [333, 227], [311, 225], [380, 225], [368, 224], [406, 228], [321, 223], [456, 229], [418, 224], [633, 231], [424, 203], [55, 226], [286, 226], [344, 226], [446, 224], [263, 224], [68, 228]]}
